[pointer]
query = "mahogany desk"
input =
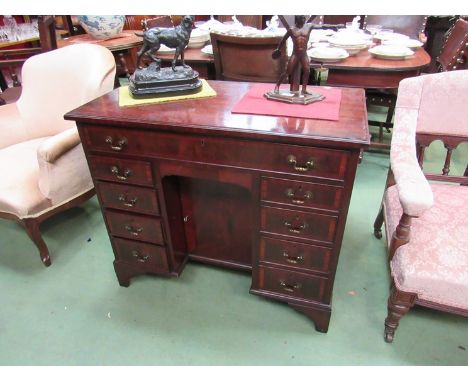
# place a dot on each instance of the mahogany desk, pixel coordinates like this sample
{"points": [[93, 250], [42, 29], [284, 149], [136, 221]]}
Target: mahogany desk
{"points": [[191, 181]]}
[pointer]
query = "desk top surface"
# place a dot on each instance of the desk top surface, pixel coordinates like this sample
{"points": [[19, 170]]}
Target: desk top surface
{"points": [[212, 116]]}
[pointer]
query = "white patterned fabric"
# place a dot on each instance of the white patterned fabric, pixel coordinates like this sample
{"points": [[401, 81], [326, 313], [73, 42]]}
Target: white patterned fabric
{"points": [[413, 188], [434, 264], [41, 157], [443, 104]]}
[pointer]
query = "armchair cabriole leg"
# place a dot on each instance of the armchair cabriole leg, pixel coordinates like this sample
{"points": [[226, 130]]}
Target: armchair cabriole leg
{"points": [[399, 303], [32, 228], [378, 223]]}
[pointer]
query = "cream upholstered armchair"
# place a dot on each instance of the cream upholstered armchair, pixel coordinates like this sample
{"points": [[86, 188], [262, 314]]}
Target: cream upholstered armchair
{"points": [[427, 223], [44, 170]]}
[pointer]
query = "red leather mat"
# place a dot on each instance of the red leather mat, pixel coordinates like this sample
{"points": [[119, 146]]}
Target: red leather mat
{"points": [[255, 103]]}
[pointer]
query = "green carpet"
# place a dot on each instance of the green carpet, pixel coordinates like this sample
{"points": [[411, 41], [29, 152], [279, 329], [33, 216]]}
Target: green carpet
{"points": [[75, 313]]}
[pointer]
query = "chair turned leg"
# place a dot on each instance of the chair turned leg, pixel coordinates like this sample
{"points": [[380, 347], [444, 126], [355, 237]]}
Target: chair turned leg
{"points": [[390, 112], [32, 228], [399, 303], [378, 223]]}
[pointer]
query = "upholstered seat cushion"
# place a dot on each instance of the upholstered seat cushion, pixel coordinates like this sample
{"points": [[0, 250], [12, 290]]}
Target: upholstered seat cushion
{"points": [[434, 264], [19, 185]]}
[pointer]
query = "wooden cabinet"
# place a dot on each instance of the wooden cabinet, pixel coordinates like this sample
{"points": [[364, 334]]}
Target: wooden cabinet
{"points": [[191, 181]]}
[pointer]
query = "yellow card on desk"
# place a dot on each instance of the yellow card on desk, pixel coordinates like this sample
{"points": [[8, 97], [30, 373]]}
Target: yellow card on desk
{"points": [[126, 99]]}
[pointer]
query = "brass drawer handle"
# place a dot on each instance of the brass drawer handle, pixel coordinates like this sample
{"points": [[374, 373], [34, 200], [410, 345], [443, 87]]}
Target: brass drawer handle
{"points": [[290, 287], [134, 231], [293, 162], [116, 171], [119, 145], [294, 195], [295, 229], [126, 201], [141, 258], [293, 259]]}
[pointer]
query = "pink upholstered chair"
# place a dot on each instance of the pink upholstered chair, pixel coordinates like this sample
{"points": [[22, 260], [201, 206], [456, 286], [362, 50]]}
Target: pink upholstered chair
{"points": [[44, 170], [426, 223]]}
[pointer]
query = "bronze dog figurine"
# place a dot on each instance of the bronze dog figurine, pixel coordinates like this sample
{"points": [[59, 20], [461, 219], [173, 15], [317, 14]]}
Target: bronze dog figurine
{"points": [[177, 38]]}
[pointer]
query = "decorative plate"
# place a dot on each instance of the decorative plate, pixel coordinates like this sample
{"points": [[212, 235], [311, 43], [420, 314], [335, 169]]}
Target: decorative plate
{"points": [[326, 54], [208, 49], [391, 52]]}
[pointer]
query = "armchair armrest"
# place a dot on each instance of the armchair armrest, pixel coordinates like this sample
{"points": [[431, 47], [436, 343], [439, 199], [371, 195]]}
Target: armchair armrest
{"points": [[54, 147], [63, 170], [413, 188]]}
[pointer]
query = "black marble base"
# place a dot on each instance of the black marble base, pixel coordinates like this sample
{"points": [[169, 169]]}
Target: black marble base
{"points": [[294, 97], [164, 81]]}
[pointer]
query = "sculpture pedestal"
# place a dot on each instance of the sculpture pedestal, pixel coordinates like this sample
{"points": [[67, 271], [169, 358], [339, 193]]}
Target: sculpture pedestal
{"points": [[294, 97], [155, 80]]}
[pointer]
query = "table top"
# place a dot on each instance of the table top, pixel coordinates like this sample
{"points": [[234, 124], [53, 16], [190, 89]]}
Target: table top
{"points": [[125, 40], [4, 44], [365, 61], [362, 61], [212, 116]]}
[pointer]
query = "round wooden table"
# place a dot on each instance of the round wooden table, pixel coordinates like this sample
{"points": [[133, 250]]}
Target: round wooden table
{"points": [[123, 47], [365, 71]]}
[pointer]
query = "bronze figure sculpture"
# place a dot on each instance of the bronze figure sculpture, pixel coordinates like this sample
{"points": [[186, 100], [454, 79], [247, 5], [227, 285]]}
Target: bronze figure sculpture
{"points": [[154, 79], [299, 61]]}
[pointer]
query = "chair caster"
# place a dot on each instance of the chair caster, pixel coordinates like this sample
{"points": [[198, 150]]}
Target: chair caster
{"points": [[378, 233], [388, 337], [46, 260]]}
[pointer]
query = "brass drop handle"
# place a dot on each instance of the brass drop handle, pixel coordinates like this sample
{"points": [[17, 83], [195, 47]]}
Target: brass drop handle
{"points": [[290, 193], [126, 201], [116, 171], [119, 145], [295, 229], [133, 231], [290, 287], [293, 162], [141, 258], [292, 259]]}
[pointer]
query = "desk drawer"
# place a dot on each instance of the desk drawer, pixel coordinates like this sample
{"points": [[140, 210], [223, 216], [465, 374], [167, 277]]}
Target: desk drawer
{"points": [[121, 170], [298, 224], [301, 194], [293, 254], [291, 284], [148, 256], [135, 227], [292, 159], [128, 198]]}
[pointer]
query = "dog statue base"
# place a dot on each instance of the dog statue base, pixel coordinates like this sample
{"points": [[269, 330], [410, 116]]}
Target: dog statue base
{"points": [[294, 97], [154, 80]]}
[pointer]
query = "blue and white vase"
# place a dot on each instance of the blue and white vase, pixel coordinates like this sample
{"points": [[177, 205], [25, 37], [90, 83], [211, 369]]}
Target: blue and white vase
{"points": [[102, 26]]}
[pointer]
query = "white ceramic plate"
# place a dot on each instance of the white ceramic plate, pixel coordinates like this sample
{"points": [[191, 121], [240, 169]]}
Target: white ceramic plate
{"points": [[391, 52], [352, 50], [410, 43], [390, 36], [327, 54], [198, 33], [208, 49], [196, 44], [165, 49], [350, 41]]}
